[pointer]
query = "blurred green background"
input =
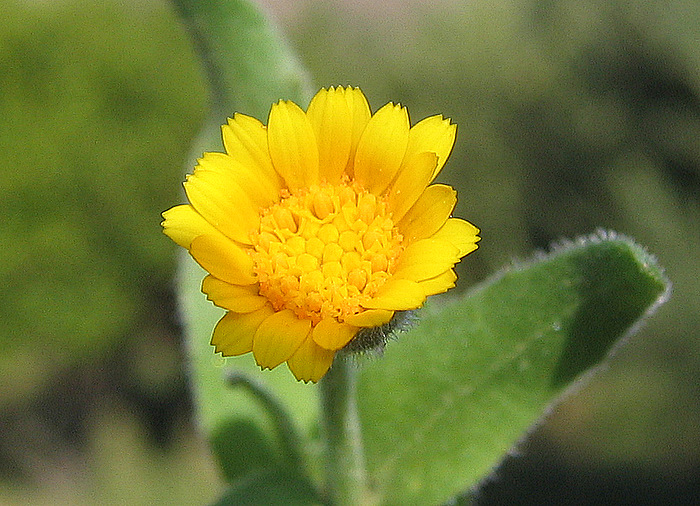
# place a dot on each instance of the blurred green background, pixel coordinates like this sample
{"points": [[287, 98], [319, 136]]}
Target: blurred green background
{"points": [[572, 116]]}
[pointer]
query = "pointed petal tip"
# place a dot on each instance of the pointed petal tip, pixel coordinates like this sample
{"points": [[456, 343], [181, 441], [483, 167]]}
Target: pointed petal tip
{"points": [[279, 337], [310, 362]]}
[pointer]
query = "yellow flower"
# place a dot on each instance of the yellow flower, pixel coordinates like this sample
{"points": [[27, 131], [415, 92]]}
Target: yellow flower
{"points": [[320, 224]]}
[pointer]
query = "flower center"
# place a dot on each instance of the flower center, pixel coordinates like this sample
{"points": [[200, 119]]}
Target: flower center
{"points": [[324, 251]]}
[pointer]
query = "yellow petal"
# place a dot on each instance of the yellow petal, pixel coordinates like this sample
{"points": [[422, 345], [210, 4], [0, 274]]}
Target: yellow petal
{"points": [[292, 145], [278, 337], [310, 362], [233, 335], [223, 258], [429, 213], [331, 335], [360, 114], [439, 284], [426, 259], [224, 203], [245, 140], [182, 224], [414, 176], [461, 233], [382, 148], [262, 190], [236, 298], [331, 121], [397, 295], [370, 318], [434, 134]]}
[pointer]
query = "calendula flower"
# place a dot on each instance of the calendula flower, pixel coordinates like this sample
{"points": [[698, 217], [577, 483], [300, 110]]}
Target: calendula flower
{"points": [[319, 225]]}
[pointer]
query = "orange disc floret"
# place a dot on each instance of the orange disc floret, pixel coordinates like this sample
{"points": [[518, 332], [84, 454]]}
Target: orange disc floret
{"points": [[322, 252]]}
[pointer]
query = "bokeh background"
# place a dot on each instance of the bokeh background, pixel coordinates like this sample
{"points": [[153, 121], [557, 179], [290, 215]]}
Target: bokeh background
{"points": [[572, 116]]}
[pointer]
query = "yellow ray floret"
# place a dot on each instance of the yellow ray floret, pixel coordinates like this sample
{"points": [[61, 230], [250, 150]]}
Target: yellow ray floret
{"points": [[319, 225]]}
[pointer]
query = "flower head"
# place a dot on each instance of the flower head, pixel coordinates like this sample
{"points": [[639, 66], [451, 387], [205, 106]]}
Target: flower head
{"points": [[319, 225]]}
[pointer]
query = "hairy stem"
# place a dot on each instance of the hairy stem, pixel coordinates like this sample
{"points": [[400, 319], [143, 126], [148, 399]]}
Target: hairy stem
{"points": [[346, 479]]}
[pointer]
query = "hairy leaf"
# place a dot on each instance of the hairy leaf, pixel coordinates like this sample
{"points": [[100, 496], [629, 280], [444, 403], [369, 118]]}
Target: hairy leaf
{"points": [[445, 403]]}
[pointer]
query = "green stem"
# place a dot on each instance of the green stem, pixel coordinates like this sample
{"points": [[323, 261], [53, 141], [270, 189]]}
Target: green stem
{"points": [[346, 480]]}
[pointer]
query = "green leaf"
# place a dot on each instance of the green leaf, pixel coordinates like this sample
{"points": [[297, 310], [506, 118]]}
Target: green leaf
{"points": [[248, 64], [447, 400], [249, 68], [248, 450], [272, 487]]}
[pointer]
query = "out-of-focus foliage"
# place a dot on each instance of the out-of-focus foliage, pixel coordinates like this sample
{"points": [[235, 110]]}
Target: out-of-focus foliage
{"points": [[99, 103], [572, 116]]}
